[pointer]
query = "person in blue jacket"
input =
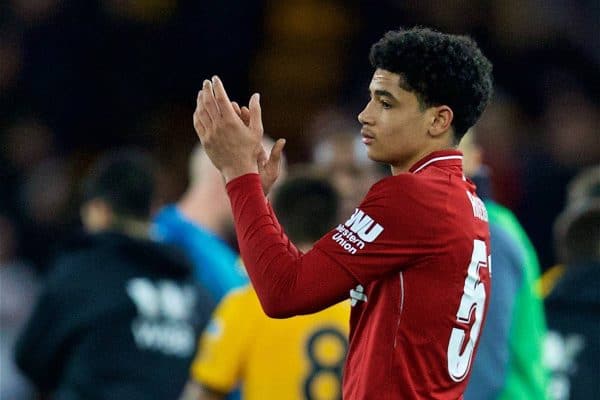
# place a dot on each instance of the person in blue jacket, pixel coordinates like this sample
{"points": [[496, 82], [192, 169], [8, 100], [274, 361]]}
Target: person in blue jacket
{"points": [[200, 223]]}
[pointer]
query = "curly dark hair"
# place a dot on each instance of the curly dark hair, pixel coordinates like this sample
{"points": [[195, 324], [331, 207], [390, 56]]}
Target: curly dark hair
{"points": [[440, 69]]}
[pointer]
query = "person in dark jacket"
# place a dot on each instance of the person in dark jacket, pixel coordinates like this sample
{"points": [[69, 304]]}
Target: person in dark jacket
{"points": [[119, 315], [572, 348]]}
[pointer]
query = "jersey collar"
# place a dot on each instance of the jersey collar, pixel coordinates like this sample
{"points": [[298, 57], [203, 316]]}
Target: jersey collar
{"points": [[441, 158]]}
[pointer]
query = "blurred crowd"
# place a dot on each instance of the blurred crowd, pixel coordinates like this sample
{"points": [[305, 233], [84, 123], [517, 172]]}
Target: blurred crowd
{"points": [[79, 78]]}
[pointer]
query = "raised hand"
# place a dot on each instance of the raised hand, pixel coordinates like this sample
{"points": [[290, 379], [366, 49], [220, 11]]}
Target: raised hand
{"points": [[269, 167], [232, 135], [242, 112], [231, 140]]}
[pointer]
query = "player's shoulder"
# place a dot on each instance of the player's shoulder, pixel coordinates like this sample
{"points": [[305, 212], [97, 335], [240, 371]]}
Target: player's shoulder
{"points": [[391, 182], [239, 293], [165, 223], [396, 190], [391, 187], [78, 254], [506, 246], [166, 215], [239, 308]]}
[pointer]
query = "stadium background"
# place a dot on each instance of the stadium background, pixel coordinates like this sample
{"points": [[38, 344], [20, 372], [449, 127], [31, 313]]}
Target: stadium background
{"points": [[80, 77]]}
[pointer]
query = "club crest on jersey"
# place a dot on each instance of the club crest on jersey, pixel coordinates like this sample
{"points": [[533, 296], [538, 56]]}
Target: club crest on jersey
{"points": [[356, 231]]}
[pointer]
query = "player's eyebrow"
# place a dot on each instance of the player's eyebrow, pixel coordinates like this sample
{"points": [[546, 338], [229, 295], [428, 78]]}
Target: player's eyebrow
{"points": [[384, 93]]}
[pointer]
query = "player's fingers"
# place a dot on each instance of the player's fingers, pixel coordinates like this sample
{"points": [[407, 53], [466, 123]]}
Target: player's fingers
{"points": [[198, 125], [245, 115], [221, 97], [255, 114], [199, 99], [208, 101], [276, 152], [202, 120], [261, 159], [205, 122], [236, 108]]}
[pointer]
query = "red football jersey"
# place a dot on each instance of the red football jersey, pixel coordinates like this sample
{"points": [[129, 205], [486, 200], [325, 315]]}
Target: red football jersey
{"points": [[419, 246], [414, 258]]}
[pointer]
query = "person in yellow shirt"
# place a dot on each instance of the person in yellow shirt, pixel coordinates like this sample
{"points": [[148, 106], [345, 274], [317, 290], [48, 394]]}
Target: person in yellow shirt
{"points": [[292, 359]]}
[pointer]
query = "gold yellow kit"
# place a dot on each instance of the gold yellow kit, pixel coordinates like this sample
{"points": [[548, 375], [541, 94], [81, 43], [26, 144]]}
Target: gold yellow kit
{"points": [[295, 358]]}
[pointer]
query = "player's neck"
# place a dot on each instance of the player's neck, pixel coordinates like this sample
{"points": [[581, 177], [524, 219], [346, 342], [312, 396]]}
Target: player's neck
{"points": [[405, 165], [193, 206], [304, 246], [132, 227]]}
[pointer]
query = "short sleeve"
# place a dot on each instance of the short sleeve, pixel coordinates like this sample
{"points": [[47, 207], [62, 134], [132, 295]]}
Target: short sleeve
{"points": [[224, 344], [391, 230]]}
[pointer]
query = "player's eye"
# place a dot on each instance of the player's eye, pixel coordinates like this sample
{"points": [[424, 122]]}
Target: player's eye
{"points": [[385, 104]]}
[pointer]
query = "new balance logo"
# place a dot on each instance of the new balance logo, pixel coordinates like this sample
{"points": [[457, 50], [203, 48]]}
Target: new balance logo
{"points": [[364, 226], [357, 294]]}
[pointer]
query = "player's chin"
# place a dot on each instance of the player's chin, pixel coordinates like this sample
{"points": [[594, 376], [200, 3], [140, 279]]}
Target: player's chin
{"points": [[373, 154]]}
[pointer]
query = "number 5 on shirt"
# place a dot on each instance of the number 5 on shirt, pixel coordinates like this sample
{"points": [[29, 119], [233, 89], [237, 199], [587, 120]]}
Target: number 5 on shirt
{"points": [[472, 301]]}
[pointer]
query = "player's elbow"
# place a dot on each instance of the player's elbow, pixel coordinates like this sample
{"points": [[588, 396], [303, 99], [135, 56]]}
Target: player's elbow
{"points": [[276, 309]]}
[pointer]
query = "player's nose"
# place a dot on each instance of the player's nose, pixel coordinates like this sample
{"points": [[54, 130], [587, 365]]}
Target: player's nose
{"points": [[364, 117]]}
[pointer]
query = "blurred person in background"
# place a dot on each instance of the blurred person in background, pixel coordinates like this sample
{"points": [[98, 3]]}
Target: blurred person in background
{"points": [[414, 256], [572, 348], [119, 315], [568, 142], [509, 362], [572, 293], [18, 289], [338, 153], [201, 224], [584, 187], [292, 359], [38, 187]]}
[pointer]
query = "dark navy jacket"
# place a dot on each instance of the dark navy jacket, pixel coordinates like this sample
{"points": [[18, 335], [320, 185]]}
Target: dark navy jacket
{"points": [[118, 318], [573, 344]]}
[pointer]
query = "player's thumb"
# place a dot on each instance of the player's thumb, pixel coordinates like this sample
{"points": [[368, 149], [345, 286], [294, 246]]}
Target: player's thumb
{"points": [[255, 113], [277, 152]]}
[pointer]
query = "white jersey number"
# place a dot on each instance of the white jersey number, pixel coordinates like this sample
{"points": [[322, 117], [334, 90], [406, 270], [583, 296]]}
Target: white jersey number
{"points": [[472, 301]]}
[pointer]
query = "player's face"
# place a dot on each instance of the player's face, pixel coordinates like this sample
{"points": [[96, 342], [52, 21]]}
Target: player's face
{"points": [[394, 126]]}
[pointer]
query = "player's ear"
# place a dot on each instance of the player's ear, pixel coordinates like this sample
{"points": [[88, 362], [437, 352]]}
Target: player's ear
{"points": [[441, 120]]}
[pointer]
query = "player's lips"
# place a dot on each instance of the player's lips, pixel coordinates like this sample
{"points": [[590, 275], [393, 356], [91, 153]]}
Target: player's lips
{"points": [[367, 137]]}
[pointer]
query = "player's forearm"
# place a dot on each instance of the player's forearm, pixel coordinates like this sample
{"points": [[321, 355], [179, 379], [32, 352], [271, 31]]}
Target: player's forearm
{"points": [[287, 283]]}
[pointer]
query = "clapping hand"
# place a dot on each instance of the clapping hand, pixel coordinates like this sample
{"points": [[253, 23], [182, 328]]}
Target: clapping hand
{"points": [[232, 135]]}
